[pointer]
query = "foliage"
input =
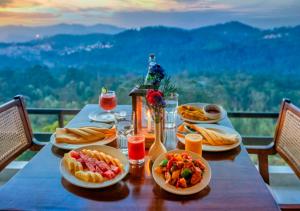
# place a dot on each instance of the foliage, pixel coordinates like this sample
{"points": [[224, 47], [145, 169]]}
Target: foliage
{"points": [[74, 88], [168, 87]]}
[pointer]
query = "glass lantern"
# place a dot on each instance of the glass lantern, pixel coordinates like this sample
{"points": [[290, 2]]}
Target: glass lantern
{"points": [[141, 116]]}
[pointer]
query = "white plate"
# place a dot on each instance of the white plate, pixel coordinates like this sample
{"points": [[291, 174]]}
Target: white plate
{"points": [[182, 191], [201, 105], [100, 116], [78, 125], [220, 129], [107, 150]]}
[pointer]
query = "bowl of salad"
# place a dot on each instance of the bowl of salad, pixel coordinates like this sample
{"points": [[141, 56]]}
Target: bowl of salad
{"points": [[181, 172]]}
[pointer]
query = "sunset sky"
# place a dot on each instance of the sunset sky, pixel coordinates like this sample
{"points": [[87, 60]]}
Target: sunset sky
{"points": [[135, 13]]}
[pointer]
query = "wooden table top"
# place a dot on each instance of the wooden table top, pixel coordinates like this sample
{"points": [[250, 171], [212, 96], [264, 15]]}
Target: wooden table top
{"points": [[235, 184]]}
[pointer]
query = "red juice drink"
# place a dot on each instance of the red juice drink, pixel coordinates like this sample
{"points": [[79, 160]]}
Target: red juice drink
{"points": [[108, 101], [136, 149]]}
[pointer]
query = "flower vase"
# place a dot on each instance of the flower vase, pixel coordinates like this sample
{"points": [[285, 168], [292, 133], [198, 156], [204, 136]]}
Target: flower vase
{"points": [[157, 148]]}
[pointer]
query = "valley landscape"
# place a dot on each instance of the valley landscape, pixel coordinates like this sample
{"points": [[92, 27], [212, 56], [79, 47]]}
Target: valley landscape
{"points": [[241, 67]]}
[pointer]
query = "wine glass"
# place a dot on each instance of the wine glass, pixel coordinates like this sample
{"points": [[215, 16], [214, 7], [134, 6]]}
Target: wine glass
{"points": [[108, 102]]}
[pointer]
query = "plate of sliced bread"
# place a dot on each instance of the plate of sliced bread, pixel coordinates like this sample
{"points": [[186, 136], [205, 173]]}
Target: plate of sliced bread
{"points": [[83, 134]]}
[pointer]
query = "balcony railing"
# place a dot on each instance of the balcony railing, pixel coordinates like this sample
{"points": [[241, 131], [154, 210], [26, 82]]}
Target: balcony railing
{"points": [[61, 113], [255, 140]]}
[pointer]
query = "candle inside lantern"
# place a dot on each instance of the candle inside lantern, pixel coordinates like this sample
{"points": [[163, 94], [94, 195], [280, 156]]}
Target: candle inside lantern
{"points": [[149, 128]]}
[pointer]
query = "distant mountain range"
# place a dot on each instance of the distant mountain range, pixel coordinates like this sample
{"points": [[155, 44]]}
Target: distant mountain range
{"points": [[26, 33], [232, 46]]}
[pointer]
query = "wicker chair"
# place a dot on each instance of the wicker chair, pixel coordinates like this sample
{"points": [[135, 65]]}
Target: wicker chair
{"points": [[286, 144], [15, 131]]}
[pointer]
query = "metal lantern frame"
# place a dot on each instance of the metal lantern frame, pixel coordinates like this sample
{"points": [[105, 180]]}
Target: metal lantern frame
{"points": [[137, 94]]}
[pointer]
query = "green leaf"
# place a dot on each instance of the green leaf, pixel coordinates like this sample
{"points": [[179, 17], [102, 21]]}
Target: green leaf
{"points": [[104, 90]]}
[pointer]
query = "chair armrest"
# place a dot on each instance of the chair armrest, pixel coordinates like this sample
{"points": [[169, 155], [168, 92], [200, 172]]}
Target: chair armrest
{"points": [[37, 145], [262, 150]]}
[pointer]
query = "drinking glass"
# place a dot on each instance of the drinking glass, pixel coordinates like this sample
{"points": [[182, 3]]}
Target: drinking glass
{"points": [[125, 128], [171, 110], [108, 102], [193, 143], [136, 149]]}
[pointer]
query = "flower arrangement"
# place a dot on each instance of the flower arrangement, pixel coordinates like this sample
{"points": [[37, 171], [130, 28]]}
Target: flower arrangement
{"points": [[156, 74], [155, 98], [156, 103]]}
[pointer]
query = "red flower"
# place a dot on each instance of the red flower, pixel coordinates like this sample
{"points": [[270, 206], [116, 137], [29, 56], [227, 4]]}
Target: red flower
{"points": [[155, 97]]}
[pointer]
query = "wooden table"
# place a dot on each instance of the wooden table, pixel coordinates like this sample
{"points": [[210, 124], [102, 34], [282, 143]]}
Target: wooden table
{"points": [[235, 184]]}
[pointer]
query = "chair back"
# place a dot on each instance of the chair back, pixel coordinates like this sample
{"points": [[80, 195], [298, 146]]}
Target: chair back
{"points": [[15, 130], [287, 135]]}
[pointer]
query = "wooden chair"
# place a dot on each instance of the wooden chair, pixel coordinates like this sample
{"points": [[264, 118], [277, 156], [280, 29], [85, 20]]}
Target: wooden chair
{"points": [[286, 143], [15, 131]]}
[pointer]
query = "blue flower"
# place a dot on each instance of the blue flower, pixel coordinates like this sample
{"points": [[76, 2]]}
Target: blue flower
{"points": [[156, 82], [157, 72]]}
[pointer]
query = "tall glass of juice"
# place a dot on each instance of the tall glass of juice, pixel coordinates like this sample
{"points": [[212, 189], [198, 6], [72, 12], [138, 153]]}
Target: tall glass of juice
{"points": [[193, 143], [136, 149]]}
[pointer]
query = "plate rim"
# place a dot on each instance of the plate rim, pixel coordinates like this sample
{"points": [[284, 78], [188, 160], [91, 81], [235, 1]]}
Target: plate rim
{"points": [[224, 114], [187, 191], [91, 185], [95, 120], [74, 146], [217, 148]]}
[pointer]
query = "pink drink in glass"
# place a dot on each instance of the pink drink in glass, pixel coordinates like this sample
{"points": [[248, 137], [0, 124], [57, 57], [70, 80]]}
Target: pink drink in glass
{"points": [[136, 149], [108, 101]]}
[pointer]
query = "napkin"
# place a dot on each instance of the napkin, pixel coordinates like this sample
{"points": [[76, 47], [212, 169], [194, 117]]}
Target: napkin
{"points": [[83, 135]]}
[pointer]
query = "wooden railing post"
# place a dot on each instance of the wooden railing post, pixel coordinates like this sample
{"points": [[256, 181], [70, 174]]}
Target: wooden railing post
{"points": [[60, 119]]}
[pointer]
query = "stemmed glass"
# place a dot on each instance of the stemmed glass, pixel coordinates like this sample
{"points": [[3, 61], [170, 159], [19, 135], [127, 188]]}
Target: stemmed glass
{"points": [[108, 102]]}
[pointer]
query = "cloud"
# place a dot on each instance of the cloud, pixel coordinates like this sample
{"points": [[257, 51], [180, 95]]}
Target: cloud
{"points": [[27, 18], [135, 13], [193, 19], [12, 4], [4, 3], [134, 5], [25, 15]]}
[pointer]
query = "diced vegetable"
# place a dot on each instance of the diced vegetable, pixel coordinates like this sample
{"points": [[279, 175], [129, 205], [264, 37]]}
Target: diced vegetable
{"points": [[186, 173], [167, 177], [169, 156], [158, 170], [181, 183], [181, 170], [197, 176], [180, 164], [174, 168], [170, 164], [163, 163], [199, 164], [176, 174]]}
